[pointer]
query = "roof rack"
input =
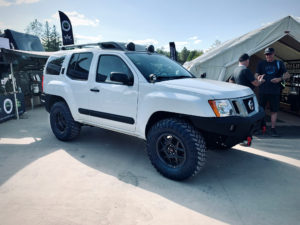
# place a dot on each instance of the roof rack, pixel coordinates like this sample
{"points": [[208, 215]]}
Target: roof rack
{"points": [[121, 46]]}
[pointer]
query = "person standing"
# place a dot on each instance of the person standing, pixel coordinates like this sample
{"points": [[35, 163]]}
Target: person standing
{"points": [[274, 73], [242, 74]]}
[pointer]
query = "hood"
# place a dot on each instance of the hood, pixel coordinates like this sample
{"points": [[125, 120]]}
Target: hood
{"points": [[216, 89]]}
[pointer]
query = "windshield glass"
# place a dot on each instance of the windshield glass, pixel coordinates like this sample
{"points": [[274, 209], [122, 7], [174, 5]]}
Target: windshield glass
{"points": [[159, 65]]}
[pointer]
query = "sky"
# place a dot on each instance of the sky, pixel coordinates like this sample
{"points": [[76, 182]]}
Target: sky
{"points": [[195, 24]]}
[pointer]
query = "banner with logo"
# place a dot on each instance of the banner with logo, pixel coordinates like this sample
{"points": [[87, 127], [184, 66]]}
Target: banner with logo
{"points": [[66, 29], [7, 106]]}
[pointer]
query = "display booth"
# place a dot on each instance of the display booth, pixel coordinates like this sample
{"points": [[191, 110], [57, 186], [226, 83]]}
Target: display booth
{"points": [[9, 106], [21, 80], [282, 35]]}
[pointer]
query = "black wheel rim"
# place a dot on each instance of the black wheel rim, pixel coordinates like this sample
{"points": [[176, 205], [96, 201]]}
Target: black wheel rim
{"points": [[171, 150], [60, 122]]}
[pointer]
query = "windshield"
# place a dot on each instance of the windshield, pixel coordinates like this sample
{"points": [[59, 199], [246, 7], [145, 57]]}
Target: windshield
{"points": [[161, 66]]}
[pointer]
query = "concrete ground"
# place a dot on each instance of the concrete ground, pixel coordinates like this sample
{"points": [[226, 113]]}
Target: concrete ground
{"points": [[106, 178]]}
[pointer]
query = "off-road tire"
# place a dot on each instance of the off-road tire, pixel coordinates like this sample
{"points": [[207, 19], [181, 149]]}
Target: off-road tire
{"points": [[62, 123], [161, 140]]}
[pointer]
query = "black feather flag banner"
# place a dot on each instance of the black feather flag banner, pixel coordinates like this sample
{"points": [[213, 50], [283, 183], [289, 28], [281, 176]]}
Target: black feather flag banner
{"points": [[66, 29]]}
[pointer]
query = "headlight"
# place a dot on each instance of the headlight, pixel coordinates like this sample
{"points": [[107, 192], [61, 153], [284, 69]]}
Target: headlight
{"points": [[221, 107]]}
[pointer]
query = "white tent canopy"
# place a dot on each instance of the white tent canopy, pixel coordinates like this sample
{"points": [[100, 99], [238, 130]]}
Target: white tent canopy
{"points": [[219, 63]]}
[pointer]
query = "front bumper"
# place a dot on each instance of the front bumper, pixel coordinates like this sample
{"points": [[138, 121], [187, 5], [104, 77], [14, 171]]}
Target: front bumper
{"points": [[232, 129]]}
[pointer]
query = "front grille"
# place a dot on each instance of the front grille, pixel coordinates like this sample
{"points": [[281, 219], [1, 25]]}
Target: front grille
{"points": [[249, 104], [235, 105], [245, 106]]}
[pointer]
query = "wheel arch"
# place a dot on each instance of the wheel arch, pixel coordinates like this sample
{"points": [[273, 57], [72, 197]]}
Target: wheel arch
{"points": [[51, 100], [160, 115]]}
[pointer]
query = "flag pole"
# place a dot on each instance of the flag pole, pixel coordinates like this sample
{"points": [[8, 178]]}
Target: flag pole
{"points": [[14, 89]]}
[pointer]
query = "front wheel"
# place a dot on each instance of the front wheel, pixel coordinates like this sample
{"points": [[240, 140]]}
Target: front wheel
{"points": [[176, 149], [62, 123]]}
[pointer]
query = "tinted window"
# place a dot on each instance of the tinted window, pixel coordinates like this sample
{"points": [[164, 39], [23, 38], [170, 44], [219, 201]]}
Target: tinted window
{"points": [[163, 67], [108, 64], [79, 66], [54, 65]]}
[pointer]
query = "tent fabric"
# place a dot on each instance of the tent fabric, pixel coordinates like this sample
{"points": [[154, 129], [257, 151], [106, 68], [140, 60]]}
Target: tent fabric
{"points": [[219, 63], [32, 54], [23, 41]]}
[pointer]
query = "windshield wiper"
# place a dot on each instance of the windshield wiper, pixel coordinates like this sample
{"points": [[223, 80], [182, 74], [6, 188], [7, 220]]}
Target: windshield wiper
{"points": [[153, 78], [179, 77]]}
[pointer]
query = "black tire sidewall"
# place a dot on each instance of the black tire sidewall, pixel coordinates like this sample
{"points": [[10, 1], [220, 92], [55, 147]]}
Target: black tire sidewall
{"points": [[62, 108], [174, 128]]}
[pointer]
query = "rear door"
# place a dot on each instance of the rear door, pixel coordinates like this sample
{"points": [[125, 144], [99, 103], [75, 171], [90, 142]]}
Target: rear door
{"points": [[77, 75]]}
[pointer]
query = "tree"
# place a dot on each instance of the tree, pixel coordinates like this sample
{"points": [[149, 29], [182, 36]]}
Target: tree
{"points": [[50, 38], [35, 28], [194, 54], [183, 55], [163, 52], [1, 32], [55, 39], [46, 37]]}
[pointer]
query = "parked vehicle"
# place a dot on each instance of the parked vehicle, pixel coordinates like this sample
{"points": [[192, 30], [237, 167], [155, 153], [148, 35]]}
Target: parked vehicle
{"points": [[131, 89]]}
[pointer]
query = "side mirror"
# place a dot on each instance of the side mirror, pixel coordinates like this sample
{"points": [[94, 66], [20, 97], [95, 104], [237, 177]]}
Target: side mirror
{"points": [[121, 78]]}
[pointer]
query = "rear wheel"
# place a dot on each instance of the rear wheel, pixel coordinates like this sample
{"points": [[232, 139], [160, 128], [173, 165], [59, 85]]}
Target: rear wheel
{"points": [[62, 123], [176, 149]]}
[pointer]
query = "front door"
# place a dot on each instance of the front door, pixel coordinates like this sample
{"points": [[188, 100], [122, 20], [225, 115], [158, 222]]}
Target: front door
{"points": [[113, 105]]}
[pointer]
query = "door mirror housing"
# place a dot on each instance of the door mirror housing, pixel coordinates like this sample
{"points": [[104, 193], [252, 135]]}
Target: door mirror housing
{"points": [[121, 78]]}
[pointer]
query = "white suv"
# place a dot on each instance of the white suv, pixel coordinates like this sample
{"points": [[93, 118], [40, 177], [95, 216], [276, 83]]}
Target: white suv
{"points": [[133, 90]]}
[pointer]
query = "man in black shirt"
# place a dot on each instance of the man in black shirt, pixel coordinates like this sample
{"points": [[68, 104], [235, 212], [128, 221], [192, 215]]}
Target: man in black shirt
{"points": [[274, 73], [243, 76]]}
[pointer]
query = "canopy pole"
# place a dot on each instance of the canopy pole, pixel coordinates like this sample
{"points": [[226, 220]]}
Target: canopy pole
{"points": [[14, 89]]}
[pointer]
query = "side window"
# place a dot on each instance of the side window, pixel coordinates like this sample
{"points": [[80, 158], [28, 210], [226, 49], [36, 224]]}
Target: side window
{"points": [[79, 66], [108, 64], [54, 65]]}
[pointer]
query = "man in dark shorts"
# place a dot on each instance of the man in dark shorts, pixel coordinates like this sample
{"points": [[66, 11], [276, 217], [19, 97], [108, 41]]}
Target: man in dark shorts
{"points": [[274, 73], [243, 76]]}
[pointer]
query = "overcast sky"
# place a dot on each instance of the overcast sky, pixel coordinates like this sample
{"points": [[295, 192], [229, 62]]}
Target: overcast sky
{"points": [[195, 24]]}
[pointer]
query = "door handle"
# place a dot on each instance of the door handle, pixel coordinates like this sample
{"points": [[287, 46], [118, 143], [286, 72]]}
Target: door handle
{"points": [[95, 90]]}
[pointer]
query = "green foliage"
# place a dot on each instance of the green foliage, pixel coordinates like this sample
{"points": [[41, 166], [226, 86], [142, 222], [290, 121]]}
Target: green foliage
{"points": [[46, 41], [55, 39], [50, 38], [163, 52], [194, 54], [183, 56]]}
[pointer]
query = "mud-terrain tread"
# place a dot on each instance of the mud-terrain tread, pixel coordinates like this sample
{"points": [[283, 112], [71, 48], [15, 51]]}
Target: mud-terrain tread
{"points": [[73, 128], [192, 140]]}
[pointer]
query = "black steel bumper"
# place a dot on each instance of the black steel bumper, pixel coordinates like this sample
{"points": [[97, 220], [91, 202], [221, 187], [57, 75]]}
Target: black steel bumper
{"points": [[233, 129]]}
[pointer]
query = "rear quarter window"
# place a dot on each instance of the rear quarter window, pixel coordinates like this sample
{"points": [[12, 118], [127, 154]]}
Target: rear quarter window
{"points": [[79, 66], [54, 65]]}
